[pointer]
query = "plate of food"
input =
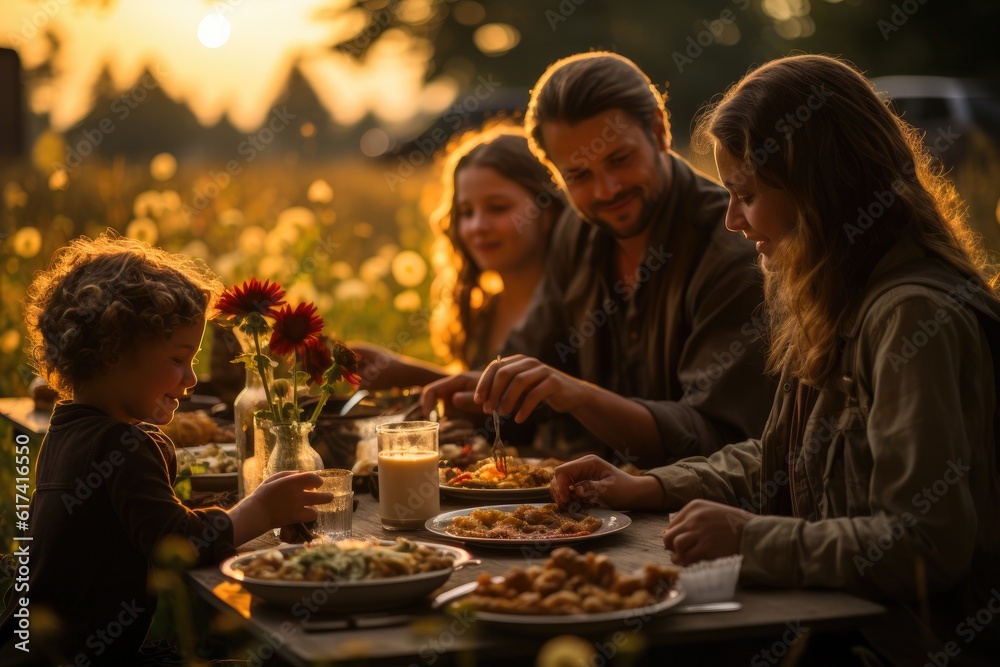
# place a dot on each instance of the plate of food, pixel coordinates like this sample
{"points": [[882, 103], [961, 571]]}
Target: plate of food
{"points": [[210, 467], [197, 429], [572, 592], [515, 526], [349, 575], [525, 479]]}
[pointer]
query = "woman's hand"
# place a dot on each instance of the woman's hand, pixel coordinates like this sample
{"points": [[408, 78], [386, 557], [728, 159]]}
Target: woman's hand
{"points": [[703, 530], [592, 480]]}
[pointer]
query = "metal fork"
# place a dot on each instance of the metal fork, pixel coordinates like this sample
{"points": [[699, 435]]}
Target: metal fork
{"points": [[499, 451]]}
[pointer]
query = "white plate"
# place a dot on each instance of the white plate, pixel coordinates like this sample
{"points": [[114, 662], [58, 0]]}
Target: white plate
{"points": [[347, 596], [611, 522], [500, 495], [496, 495], [629, 619]]}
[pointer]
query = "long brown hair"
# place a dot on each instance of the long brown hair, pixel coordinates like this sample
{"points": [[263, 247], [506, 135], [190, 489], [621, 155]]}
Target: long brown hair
{"points": [[860, 179], [457, 285]]}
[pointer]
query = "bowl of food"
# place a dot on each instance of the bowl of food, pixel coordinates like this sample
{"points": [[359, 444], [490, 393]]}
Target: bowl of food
{"points": [[210, 467], [349, 575]]}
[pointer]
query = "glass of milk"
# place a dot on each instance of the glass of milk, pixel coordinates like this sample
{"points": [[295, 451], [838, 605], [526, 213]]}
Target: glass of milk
{"points": [[407, 474]]}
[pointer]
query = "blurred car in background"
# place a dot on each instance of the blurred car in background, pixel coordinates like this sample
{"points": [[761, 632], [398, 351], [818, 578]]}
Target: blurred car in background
{"points": [[958, 115], [961, 121]]}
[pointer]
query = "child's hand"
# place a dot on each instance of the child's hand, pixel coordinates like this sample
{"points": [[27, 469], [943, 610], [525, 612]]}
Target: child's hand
{"points": [[281, 499]]}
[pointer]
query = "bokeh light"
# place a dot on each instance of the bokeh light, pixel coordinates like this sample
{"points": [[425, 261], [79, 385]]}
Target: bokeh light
{"points": [[58, 180], [9, 341], [373, 269], [27, 242], [296, 216], [495, 39], [409, 269], [320, 192], [407, 301], [144, 230], [375, 142], [14, 195], [342, 270], [416, 11], [251, 240], [353, 289], [163, 166]]}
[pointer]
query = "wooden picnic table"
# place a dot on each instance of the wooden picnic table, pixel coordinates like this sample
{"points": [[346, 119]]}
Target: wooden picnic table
{"points": [[769, 619]]}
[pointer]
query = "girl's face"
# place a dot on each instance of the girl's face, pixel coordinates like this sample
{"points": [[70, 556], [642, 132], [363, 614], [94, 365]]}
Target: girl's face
{"points": [[499, 223], [146, 385], [764, 214]]}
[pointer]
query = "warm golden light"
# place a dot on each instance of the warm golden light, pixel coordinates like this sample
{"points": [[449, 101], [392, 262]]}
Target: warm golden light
{"points": [[146, 47], [163, 166], [494, 39], [213, 31], [409, 268]]}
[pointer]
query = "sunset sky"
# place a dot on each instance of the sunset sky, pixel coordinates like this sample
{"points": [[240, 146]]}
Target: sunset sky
{"points": [[239, 79]]}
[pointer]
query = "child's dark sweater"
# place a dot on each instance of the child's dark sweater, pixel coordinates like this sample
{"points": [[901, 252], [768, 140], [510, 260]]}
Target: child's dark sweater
{"points": [[103, 501]]}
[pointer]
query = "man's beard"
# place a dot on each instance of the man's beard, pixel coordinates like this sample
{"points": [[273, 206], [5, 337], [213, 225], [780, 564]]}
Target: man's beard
{"points": [[646, 214]]}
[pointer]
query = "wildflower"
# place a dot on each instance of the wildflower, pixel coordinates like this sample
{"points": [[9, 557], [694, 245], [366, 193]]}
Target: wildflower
{"points": [[293, 329]]}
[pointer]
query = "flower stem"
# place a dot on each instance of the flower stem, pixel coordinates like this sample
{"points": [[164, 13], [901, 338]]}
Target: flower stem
{"points": [[324, 394], [263, 377], [295, 385]]}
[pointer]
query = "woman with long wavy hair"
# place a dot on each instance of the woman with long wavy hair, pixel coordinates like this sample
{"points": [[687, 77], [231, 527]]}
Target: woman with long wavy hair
{"points": [[877, 470], [497, 211]]}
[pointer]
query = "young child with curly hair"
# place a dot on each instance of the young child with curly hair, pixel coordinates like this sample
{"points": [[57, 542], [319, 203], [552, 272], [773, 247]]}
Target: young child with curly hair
{"points": [[115, 325]]}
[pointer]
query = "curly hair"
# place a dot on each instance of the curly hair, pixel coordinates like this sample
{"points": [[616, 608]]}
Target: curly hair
{"points": [[814, 127], [457, 287], [100, 298]]}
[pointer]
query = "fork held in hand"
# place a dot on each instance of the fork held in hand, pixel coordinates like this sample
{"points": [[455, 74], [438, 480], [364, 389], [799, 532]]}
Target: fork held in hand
{"points": [[499, 451]]}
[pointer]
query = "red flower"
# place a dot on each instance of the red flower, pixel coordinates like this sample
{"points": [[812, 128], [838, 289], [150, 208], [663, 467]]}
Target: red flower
{"points": [[294, 329], [348, 360], [253, 297], [316, 360]]}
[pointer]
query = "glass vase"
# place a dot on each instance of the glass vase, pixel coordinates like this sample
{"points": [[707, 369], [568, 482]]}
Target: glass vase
{"points": [[290, 448], [250, 470]]}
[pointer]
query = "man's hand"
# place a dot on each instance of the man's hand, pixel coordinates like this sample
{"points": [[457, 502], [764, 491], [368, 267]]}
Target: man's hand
{"points": [[525, 381], [703, 530], [592, 480]]}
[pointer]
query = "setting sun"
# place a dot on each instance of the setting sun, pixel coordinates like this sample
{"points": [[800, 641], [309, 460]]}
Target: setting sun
{"points": [[213, 31]]}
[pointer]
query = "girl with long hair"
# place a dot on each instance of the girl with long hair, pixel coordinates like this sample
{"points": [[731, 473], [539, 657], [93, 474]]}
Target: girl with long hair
{"points": [[497, 211]]}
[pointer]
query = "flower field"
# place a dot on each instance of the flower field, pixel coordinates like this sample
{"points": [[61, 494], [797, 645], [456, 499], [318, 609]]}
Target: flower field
{"points": [[334, 234]]}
